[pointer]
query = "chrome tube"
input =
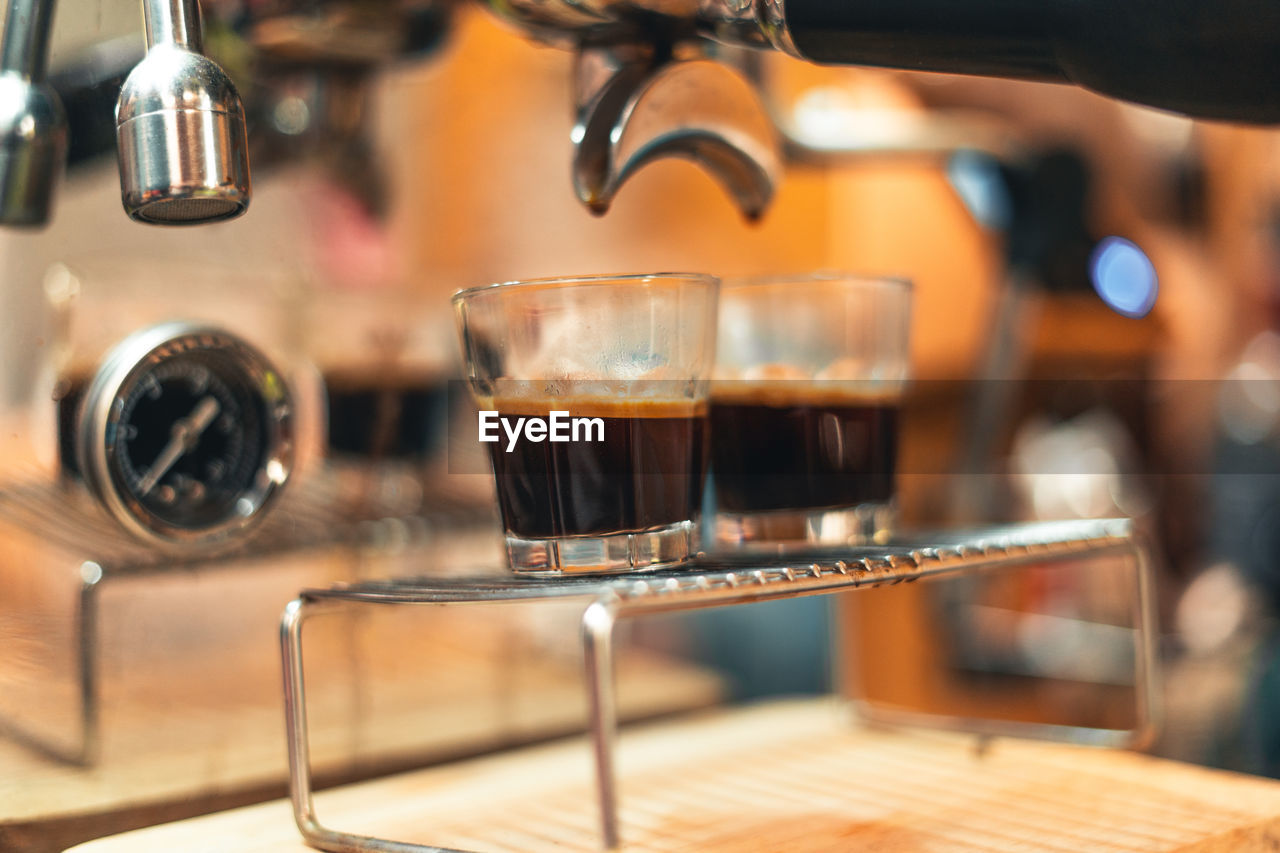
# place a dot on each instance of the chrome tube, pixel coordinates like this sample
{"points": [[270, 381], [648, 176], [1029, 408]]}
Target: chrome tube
{"points": [[175, 22], [33, 126]]}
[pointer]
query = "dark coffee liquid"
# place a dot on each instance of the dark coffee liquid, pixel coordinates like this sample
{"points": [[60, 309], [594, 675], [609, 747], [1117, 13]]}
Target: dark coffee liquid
{"points": [[385, 415], [776, 451], [647, 472]]}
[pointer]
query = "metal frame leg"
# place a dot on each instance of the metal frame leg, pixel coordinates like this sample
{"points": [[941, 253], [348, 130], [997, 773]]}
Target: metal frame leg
{"points": [[1148, 702], [83, 753], [87, 652], [295, 712], [1148, 688], [598, 621]]}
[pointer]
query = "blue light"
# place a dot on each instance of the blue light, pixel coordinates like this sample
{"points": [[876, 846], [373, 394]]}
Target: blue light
{"points": [[1124, 276]]}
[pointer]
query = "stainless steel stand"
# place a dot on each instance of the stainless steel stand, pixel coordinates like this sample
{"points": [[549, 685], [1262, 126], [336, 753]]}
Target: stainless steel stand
{"points": [[63, 554], [718, 580]]}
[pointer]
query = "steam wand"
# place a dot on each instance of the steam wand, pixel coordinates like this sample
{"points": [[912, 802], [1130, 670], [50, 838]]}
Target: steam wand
{"points": [[33, 126], [180, 127]]}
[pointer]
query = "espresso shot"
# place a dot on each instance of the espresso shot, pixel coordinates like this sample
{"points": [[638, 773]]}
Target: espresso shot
{"points": [[810, 370], [798, 448], [643, 469], [591, 398]]}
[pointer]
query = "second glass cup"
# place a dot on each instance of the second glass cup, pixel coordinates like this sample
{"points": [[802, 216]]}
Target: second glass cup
{"points": [[804, 407], [593, 398]]}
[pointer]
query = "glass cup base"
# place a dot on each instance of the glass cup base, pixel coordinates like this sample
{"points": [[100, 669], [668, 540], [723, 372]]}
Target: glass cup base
{"points": [[616, 553], [864, 524]]}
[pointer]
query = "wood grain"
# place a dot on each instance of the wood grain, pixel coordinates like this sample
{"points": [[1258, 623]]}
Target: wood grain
{"points": [[789, 776], [179, 743]]}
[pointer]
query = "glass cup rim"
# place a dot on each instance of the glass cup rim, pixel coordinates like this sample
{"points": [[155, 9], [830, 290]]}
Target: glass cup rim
{"points": [[897, 282], [590, 280]]}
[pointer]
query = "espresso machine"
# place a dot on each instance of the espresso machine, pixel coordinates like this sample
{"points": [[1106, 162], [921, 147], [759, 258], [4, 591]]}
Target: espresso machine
{"points": [[231, 87]]}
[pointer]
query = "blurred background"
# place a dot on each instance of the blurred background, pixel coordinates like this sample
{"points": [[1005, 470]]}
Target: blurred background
{"points": [[1094, 335]]}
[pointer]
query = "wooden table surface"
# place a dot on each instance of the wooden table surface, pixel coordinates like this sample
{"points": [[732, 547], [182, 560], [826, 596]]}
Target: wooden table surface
{"points": [[788, 776], [163, 763]]}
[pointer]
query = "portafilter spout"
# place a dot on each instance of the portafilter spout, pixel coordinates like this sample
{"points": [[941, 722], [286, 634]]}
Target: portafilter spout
{"points": [[637, 104], [180, 127], [33, 126]]}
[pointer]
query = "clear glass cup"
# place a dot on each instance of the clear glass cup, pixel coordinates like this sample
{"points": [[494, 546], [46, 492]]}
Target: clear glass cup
{"points": [[616, 371], [804, 407]]}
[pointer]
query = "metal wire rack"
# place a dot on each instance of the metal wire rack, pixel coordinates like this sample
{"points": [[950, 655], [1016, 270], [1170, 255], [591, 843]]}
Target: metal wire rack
{"points": [[714, 580]]}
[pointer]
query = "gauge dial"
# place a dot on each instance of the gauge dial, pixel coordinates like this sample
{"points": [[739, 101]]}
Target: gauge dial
{"points": [[185, 434]]}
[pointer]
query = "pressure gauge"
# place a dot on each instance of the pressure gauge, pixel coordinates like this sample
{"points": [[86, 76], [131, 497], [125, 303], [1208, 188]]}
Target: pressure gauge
{"points": [[185, 435]]}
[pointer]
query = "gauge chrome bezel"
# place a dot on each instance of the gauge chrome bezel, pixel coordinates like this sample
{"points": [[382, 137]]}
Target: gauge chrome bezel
{"points": [[104, 407]]}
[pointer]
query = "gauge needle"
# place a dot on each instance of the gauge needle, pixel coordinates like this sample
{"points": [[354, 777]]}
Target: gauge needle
{"points": [[183, 436]]}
